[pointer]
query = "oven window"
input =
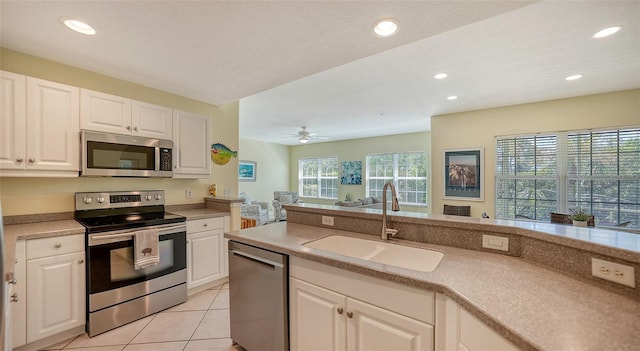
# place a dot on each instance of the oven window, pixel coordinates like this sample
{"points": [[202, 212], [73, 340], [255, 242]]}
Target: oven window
{"points": [[122, 262], [110, 266], [120, 156]]}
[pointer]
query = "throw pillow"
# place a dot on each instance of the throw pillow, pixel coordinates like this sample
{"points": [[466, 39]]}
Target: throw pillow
{"points": [[286, 199]]}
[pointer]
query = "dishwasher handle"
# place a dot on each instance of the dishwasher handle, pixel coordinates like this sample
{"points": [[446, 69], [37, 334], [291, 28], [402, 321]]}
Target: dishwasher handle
{"points": [[257, 259]]}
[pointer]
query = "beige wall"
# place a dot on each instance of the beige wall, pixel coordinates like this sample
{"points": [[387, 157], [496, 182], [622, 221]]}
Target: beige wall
{"points": [[478, 129], [43, 195], [357, 150], [272, 170]]}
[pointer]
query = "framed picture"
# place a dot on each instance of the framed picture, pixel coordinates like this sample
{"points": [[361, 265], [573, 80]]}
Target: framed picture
{"points": [[463, 174], [351, 173], [246, 171]]}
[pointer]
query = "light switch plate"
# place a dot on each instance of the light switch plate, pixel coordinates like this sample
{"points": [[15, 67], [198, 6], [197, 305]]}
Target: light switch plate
{"points": [[615, 272], [495, 242]]}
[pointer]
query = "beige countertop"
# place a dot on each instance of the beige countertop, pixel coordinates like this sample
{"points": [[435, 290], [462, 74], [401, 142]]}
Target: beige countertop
{"points": [[535, 308], [200, 213]]}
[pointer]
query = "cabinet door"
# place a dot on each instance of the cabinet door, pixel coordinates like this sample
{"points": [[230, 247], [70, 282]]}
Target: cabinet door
{"points": [[151, 121], [316, 318], [104, 112], [12, 120], [458, 330], [56, 294], [204, 261], [191, 136], [372, 328], [53, 132], [19, 304]]}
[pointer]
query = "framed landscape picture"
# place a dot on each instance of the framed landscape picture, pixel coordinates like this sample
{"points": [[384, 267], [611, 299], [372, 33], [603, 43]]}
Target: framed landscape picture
{"points": [[247, 171], [463, 174]]}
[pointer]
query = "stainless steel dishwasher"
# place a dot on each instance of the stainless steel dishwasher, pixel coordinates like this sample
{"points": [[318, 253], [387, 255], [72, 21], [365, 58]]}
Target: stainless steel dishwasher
{"points": [[258, 298]]}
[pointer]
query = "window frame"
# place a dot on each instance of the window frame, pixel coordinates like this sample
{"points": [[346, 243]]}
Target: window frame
{"points": [[319, 177], [567, 158], [396, 178]]}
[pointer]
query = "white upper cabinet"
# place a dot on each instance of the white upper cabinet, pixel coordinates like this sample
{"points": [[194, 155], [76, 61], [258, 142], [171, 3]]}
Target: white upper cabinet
{"points": [[114, 114], [12, 120], [40, 128], [192, 140]]}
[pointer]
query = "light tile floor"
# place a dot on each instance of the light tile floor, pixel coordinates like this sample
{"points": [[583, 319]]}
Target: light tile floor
{"points": [[201, 323]]}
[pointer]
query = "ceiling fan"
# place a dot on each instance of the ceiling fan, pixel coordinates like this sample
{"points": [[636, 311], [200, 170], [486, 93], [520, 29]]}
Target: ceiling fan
{"points": [[304, 136]]}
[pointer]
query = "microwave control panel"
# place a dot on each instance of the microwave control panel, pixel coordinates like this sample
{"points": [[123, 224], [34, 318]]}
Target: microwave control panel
{"points": [[166, 159]]}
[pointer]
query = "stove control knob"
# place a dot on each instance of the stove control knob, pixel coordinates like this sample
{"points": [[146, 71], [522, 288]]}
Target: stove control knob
{"points": [[86, 200], [149, 197], [158, 197], [100, 200]]}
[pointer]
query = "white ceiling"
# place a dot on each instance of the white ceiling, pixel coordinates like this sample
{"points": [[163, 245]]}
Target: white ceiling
{"points": [[315, 63]]}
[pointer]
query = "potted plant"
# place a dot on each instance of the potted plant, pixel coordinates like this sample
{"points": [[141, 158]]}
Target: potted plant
{"points": [[579, 217]]}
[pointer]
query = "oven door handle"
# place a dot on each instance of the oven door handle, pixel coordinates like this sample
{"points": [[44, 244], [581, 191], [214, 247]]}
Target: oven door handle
{"points": [[131, 232]]}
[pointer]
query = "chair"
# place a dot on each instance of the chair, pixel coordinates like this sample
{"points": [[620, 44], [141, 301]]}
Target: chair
{"points": [[258, 211], [283, 198], [457, 210], [561, 218]]}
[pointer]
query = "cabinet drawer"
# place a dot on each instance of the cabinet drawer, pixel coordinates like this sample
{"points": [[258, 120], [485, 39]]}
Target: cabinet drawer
{"points": [[58, 245], [201, 225]]}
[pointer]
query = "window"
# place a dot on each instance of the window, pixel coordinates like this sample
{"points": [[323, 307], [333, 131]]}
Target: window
{"points": [[318, 177], [598, 171], [526, 177], [407, 171]]}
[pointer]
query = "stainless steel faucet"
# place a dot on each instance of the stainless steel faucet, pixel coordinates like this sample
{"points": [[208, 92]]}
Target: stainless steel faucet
{"points": [[394, 207]]}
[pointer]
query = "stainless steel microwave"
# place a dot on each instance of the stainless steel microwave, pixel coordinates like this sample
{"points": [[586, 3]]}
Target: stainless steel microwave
{"points": [[114, 155]]}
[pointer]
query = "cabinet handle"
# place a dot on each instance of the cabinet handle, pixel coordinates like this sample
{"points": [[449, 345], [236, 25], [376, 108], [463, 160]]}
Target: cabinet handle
{"points": [[205, 224], [32, 160], [340, 310], [13, 281], [135, 128], [19, 160], [81, 261], [128, 127], [57, 246], [349, 314], [14, 297]]}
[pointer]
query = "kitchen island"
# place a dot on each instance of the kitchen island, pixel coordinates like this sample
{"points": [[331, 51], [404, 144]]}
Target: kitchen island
{"points": [[533, 306]]}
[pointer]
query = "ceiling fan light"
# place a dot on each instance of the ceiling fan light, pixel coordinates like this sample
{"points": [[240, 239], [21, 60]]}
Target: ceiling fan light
{"points": [[303, 139]]}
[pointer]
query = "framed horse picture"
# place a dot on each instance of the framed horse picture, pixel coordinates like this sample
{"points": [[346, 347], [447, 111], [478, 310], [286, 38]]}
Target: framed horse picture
{"points": [[463, 174]]}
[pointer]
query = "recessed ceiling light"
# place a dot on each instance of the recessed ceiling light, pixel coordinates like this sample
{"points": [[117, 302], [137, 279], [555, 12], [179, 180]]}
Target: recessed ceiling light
{"points": [[452, 97], [385, 28], [441, 76], [607, 32], [78, 26], [574, 77]]}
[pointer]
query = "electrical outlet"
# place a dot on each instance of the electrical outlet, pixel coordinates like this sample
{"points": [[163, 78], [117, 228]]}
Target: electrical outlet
{"points": [[614, 272], [495, 242], [188, 194], [327, 220]]}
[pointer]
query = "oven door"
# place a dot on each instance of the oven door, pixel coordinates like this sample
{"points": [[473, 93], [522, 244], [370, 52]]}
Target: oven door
{"points": [[111, 275]]}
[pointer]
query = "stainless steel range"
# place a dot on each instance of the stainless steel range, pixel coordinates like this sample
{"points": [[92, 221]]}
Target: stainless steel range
{"points": [[117, 292]]}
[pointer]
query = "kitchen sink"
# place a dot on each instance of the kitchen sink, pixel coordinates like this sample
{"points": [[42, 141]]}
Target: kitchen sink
{"points": [[392, 254]]}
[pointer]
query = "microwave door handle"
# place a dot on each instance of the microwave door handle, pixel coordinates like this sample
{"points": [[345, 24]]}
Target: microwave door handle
{"points": [[157, 160], [130, 233]]}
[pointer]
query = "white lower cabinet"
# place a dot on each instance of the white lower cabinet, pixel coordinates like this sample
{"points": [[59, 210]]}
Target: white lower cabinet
{"points": [[334, 314], [18, 296], [205, 251], [49, 289], [459, 330]]}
